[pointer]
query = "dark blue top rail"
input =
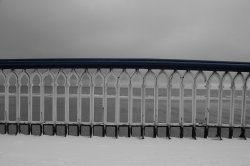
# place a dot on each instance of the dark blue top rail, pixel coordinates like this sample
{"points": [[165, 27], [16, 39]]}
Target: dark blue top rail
{"points": [[126, 63]]}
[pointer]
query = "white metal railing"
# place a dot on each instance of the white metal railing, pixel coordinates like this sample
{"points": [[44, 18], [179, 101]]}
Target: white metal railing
{"points": [[118, 97]]}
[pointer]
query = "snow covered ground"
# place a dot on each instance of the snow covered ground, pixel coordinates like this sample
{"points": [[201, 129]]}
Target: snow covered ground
{"points": [[24, 150]]}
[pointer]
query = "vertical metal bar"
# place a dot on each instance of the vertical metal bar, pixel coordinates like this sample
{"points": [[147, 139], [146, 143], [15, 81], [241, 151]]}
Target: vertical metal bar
{"points": [[92, 112], [30, 106], [181, 102], [231, 110], [17, 100], [232, 105], [143, 116], [131, 97], [243, 107], [194, 103], [79, 100], [181, 113], [208, 103], [243, 119], [220, 103], [54, 85], [41, 98], [207, 109], [6, 85], [194, 108], [117, 106], [169, 102], [30, 92], [8, 98], [117, 101], [67, 99], [156, 107], [130, 109], [104, 101]]}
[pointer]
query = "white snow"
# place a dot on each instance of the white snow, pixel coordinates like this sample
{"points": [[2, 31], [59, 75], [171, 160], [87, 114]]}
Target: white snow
{"points": [[24, 150]]}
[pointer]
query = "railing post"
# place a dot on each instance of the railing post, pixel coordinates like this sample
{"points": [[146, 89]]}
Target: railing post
{"points": [[143, 108], [220, 111], [155, 108], [117, 106], [207, 110], [243, 115], [130, 108], [6, 103], [194, 110], [181, 108], [168, 132], [91, 110], [232, 111]]}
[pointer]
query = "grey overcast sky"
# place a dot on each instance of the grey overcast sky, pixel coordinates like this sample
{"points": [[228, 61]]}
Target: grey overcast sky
{"points": [[170, 29]]}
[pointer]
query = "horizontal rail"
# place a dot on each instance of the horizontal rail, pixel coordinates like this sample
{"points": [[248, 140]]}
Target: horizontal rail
{"points": [[173, 64]]}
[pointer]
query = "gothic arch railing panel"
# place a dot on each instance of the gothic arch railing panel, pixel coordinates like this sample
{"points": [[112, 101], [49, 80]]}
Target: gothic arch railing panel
{"points": [[162, 97], [12, 106], [73, 97], [238, 85], [48, 97], [226, 99], [60, 87], [200, 98], [98, 97], [188, 97], [149, 88], [136, 98], [175, 98], [124, 102], [24, 91], [213, 85], [111, 98], [86, 98], [36, 97]]}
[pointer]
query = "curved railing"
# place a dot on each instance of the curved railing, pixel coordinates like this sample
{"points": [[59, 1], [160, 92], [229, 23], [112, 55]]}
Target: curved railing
{"points": [[66, 93]]}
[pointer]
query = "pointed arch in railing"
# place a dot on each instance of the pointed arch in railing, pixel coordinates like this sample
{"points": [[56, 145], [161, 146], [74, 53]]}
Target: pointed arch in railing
{"points": [[24, 91], [123, 98], [86, 106], [36, 97], [200, 106], [60, 87], [175, 98], [188, 97], [48, 97], [213, 85], [136, 98], [73, 97], [111, 98], [149, 88], [99, 98], [162, 98], [238, 85], [12, 106], [226, 85]]}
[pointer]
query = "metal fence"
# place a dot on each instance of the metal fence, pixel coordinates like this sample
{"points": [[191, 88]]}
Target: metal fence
{"points": [[124, 93]]}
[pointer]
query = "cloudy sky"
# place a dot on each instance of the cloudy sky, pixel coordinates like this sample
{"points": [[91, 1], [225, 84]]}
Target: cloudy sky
{"points": [[171, 29]]}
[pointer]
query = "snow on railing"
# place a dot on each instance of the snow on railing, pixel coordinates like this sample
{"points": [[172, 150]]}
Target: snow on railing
{"points": [[124, 92]]}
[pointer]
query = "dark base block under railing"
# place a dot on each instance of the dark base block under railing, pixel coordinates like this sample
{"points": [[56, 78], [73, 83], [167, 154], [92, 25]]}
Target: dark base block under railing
{"points": [[132, 130]]}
